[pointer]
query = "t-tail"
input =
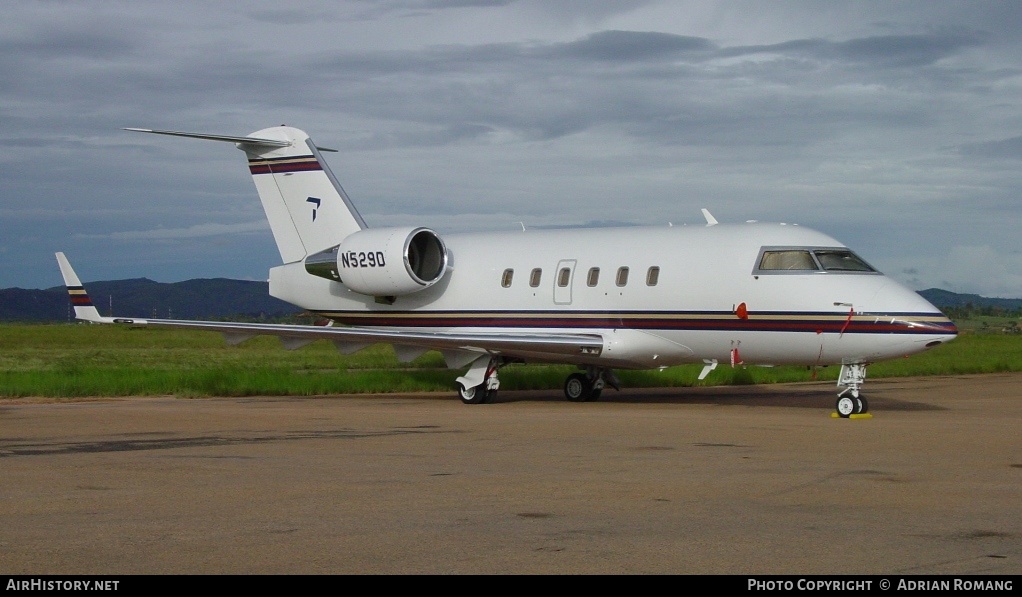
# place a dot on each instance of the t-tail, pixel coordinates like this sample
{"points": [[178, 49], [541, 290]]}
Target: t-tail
{"points": [[307, 209]]}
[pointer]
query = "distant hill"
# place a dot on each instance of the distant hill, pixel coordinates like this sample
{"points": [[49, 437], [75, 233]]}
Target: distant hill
{"points": [[944, 299], [222, 298], [215, 298]]}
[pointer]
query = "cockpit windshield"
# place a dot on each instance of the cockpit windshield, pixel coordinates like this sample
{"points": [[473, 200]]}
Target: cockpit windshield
{"points": [[792, 260], [841, 260]]}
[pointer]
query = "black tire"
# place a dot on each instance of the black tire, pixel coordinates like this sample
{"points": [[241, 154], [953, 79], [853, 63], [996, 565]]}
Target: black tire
{"points": [[846, 406], [577, 388], [473, 395], [594, 395], [861, 406]]}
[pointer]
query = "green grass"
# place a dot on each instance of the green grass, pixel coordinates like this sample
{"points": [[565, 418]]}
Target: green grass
{"points": [[94, 360]]}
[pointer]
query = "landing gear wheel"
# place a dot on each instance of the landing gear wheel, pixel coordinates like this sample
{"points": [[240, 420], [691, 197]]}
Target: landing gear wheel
{"points": [[577, 388], [861, 406], [846, 406], [474, 395], [594, 395]]}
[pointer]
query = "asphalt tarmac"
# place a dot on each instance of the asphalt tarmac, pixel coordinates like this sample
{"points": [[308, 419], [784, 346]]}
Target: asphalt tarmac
{"points": [[749, 480]]}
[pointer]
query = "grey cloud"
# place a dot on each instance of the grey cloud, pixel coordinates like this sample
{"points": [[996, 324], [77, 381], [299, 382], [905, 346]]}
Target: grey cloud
{"points": [[629, 46], [640, 47], [664, 91], [754, 111], [296, 15], [907, 50], [464, 3], [886, 50], [196, 231], [1005, 148], [50, 43]]}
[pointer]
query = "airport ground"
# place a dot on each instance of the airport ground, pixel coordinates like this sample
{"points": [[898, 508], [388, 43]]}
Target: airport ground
{"points": [[717, 480]]}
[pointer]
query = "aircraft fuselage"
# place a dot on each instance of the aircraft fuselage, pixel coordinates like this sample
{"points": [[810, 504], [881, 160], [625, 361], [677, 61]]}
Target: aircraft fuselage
{"points": [[692, 293]]}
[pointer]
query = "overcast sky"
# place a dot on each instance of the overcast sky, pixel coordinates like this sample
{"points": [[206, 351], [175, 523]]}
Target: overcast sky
{"points": [[895, 127]]}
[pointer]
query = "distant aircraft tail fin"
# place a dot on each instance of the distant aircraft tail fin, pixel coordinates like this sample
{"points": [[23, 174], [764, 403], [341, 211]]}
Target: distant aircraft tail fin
{"points": [[84, 309], [307, 209]]}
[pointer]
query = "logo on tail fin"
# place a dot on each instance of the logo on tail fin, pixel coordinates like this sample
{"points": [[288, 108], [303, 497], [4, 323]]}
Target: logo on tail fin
{"points": [[315, 206]]}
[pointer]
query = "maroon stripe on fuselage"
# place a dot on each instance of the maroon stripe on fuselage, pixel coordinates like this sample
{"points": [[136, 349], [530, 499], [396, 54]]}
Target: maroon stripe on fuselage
{"points": [[819, 326]]}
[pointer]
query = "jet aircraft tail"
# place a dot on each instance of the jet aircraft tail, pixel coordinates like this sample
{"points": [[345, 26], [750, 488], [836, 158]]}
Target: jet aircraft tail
{"points": [[84, 309], [307, 209]]}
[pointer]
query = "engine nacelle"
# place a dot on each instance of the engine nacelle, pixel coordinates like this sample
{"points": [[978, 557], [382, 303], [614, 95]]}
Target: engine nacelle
{"points": [[384, 261]]}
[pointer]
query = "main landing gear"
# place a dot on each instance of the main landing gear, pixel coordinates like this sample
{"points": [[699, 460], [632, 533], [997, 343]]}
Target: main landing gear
{"points": [[480, 384], [587, 387], [849, 402]]}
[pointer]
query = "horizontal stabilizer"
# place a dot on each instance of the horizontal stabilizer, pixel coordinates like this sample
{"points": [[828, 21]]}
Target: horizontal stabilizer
{"points": [[252, 141], [306, 207], [227, 138]]}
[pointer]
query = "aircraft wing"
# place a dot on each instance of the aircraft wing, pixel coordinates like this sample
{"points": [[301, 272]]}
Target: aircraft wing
{"points": [[458, 348]]}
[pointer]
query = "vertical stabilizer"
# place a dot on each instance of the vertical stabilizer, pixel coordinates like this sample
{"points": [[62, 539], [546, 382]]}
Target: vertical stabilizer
{"points": [[84, 309], [307, 209]]}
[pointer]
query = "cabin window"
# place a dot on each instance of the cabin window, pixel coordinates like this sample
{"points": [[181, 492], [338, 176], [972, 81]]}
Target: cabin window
{"points": [[535, 276], [505, 280], [564, 276], [622, 276], [594, 276], [652, 275]]}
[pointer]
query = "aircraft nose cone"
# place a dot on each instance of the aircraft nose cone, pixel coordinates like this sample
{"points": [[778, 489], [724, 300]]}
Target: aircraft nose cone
{"points": [[941, 324], [950, 327], [916, 312], [950, 332]]}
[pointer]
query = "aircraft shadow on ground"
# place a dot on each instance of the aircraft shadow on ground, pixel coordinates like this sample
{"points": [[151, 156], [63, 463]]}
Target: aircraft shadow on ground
{"points": [[760, 396]]}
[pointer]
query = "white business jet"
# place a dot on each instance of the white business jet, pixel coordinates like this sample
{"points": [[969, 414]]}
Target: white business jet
{"points": [[601, 299]]}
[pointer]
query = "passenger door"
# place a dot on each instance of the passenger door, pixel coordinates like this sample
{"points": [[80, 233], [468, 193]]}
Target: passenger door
{"points": [[562, 281]]}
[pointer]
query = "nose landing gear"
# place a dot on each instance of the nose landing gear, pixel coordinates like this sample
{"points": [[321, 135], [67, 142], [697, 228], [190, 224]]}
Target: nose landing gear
{"points": [[849, 402]]}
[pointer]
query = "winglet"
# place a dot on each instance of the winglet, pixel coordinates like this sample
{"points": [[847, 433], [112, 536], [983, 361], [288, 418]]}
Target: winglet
{"points": [[710, 220], [84, 309]]}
